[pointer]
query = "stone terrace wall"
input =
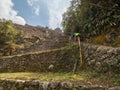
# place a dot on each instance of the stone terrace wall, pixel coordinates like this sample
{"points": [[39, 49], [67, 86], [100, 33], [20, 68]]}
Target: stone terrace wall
{"points": [[62, 59], [96, 58], [101, 58], [41, 85]]}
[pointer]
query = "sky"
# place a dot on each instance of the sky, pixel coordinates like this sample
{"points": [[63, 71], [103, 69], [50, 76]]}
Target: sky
{"points": [[34, 12]]}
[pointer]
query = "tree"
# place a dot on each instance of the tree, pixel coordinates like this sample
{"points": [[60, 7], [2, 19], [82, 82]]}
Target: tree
{"points": [[70, 18], [92, 17]]}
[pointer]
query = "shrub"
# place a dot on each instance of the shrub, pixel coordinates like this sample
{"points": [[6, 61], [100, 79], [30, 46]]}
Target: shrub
{"points": [[7, 31], [100, 39]]}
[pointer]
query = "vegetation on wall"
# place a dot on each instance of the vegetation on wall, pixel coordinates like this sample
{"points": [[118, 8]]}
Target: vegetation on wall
{"points": [[7, 31], [8, 34]]}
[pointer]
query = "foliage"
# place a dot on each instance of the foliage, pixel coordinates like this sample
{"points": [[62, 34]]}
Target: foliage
{"points": [[116, 79], [8, 35], [91, 17], [7, 31], [116, 42]]}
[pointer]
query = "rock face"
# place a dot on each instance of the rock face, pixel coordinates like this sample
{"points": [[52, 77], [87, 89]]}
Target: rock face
{"points": [[43, 85]]}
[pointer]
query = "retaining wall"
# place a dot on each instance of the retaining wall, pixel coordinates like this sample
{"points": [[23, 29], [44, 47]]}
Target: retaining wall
{"points": [[41, 85], [95, 57], [101, 58], [60, 59]]}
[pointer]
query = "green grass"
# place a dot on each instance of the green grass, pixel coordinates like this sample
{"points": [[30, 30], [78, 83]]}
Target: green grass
{"points": [[42, 76], [116, 79]]}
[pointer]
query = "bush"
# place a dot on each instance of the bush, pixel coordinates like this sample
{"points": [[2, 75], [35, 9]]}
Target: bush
{"points": [[7, 31], [100, 39], [8, 34]]}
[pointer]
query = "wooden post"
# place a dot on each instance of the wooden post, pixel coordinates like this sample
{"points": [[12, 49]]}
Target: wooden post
{"points": [[75, 66], [76, 61], [81, 61]]}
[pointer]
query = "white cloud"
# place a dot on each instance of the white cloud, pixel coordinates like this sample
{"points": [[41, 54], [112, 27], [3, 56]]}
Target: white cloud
{"points": [[56, 9], [7, 12], [37, 11], [35, 6], [31, 2]]}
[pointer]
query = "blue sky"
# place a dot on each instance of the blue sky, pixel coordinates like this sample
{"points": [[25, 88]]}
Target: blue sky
{"points": [[34, 12]]}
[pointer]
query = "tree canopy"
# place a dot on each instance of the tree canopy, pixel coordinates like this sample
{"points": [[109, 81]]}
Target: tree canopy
{"points": [[92, 17]]}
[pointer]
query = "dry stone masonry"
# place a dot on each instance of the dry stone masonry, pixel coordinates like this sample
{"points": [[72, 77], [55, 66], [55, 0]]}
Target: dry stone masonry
{"points": [[101, 58], [96, 58], [62, 59], [43, 85]]}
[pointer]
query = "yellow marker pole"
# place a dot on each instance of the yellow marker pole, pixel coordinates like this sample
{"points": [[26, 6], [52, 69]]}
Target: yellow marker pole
{"points": [[81, 61]]}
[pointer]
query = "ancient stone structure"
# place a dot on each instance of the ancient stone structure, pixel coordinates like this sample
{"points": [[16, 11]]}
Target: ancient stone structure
{"points": [[44, 85], [101, 58], [96, 58], [62, 59]]}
